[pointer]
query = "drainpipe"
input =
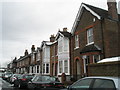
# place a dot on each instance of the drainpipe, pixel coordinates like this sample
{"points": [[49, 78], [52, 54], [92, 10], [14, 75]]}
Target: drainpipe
{"points": [[102, 28]]}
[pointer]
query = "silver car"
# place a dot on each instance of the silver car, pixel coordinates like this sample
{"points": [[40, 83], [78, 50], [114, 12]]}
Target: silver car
{"points": [[14, 77], [96, 83]]}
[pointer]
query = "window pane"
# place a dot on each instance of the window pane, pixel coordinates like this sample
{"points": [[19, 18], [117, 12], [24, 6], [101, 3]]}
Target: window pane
{"points": [[66, 66], [76, 41], [102, 83], [90, 35], [47, 68], [96, 58], [60, 66], [85, 83]]}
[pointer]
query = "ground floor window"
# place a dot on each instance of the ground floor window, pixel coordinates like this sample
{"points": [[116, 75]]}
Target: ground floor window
{"points": [[32, 69], [43, 68], [66, 66], [60, 66], [96, 58], [47, 68], [38, 69]]}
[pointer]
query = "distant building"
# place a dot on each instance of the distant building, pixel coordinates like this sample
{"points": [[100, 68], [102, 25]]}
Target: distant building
{"points": [[95, 35], [45, 47]]}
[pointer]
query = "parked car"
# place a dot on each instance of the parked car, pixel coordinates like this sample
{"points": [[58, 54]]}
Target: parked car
{"points": [[44, 82], [22, 81], [14, 77], [96, 83], [1, 73], [7, 75]]}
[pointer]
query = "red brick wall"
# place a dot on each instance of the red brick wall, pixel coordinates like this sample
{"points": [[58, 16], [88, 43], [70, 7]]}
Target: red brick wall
{"points": [[105, 69]]}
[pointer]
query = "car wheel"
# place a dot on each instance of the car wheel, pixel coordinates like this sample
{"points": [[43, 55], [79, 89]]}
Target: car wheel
{"points": [[19, 86], [15, 85]]}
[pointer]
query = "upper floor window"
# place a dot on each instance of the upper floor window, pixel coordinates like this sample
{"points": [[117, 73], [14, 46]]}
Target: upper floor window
{"points": [[60, 45], [33, 57], [66, 45], [90, 36], [76, 41], [38, 56]]}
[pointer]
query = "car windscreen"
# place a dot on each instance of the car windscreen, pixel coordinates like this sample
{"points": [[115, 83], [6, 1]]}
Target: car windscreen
{"points": [[43, 79], [28, 76]]}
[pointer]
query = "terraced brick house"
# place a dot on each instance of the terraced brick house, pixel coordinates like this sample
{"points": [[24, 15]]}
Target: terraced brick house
{"points": [[63, 52], [95, 36], [38, 61], [23, 63], [33, 61], [53, 56], [45, 47]]}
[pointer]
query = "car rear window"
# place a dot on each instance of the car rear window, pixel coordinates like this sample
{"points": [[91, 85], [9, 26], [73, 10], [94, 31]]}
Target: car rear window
{"points": [[44, 78], [104, 83], [28, 76]]}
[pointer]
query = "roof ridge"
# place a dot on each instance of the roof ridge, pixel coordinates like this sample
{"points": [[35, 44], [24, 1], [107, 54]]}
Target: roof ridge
{"points": [[94, 6]]}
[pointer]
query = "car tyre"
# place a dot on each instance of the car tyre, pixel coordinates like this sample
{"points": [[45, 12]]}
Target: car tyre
{"points": [[15, 85], [19, 86]]}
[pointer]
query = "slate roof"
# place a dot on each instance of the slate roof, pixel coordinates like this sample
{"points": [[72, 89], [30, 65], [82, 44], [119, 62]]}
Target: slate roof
{"points": [[66, 34], [90, 48], [101, 12]]}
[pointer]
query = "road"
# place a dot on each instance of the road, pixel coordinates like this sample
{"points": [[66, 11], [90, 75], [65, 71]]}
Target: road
{"points": [[7, 86], [4, 85]]}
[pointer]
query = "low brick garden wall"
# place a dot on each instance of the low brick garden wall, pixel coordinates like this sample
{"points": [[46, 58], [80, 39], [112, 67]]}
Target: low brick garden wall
{"points": [[104, 69]]}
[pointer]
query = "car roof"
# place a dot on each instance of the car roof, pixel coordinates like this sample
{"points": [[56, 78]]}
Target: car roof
{"points": [[105, 77], [115, 79]]}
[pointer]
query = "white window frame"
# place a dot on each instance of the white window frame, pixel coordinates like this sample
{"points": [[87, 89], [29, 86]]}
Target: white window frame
{"points": [[48, 68], [94, 58], [76, 41], [38, 56], [65, 66], [60, 45], [60, 66], [90, 35]]}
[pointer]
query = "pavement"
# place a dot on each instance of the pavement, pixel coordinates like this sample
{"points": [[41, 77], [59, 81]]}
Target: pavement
{"points": [[5, 85]]}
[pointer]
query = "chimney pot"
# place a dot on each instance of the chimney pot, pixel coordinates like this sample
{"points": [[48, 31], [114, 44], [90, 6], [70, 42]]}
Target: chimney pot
{"points": [[26, 52], [33, 48], [112, 9], [65, 29], [52, 38]]}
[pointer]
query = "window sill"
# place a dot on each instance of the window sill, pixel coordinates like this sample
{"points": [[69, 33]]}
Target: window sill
{"points": [[76, 48], [89, 43]]}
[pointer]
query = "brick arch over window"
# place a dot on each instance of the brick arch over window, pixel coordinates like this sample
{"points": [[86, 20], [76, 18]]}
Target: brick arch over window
{"points": [[77, 58]]}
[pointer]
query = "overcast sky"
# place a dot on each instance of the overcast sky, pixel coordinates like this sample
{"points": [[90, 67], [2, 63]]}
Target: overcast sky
{"points": [[28, 22]]}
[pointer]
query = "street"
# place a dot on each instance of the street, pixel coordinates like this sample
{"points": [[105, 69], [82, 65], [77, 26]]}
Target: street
{"points": [[4, 85], [7, 86]]}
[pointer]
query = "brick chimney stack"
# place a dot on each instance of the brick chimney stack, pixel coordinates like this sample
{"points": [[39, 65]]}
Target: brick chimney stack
{"points": [[65, 29], [52, 38], [33, 48], [112, 9], [26, 52]]}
